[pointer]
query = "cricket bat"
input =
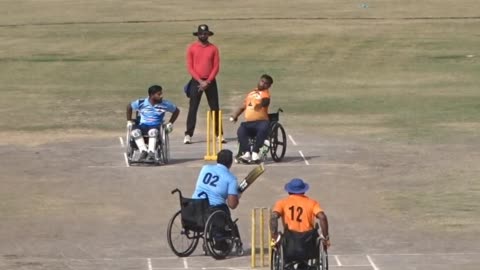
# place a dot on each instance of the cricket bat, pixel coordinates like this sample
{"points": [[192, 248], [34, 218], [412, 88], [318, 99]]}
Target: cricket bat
{"points": [[251, 177]]}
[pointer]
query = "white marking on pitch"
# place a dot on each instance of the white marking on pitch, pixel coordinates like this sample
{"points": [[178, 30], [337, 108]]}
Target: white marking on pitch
{"points": [[185, 263], [372, 263], [338, 260], [126, 159], [291, 139], [149, 262], [121, 141], [301, 154]]}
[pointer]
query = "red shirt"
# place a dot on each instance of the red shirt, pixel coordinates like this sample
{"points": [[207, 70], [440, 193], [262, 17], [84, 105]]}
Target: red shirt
{"points": [[203, 61]]}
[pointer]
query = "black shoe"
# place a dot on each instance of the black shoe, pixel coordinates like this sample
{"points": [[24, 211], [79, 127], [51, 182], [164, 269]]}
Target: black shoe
{"points": [[221, 245], [143, 155]]}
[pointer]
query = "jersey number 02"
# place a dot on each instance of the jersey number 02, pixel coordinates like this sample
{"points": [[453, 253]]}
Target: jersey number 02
{"points": [[210, 179]]}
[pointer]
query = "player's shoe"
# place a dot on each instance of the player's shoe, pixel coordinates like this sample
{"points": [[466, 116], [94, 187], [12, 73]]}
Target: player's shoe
{"points": [[256, 158], [245, 158], [187, 139]]}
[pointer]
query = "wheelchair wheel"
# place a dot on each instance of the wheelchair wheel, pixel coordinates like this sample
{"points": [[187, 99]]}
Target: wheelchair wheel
{"points": [[277, 260], [182, 242], [322, 263], [165, 147], [278, 142], [218, 234]]}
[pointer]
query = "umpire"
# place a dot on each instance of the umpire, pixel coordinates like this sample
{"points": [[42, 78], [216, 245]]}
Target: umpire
{"points": [[203, 64]]}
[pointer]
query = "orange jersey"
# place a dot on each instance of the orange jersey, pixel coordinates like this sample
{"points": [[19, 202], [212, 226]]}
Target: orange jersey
{"points": [[253, 105], [298, 212]]}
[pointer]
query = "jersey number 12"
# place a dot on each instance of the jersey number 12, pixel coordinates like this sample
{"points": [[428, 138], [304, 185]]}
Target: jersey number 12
{"points": [[299, 212]]}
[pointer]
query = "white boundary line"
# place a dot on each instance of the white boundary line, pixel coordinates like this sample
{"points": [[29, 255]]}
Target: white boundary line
{"points": [[126, 159], [149, 263], [185, 263], [304, 159], [291, 139], [175, 166], [121, 141], [372, 263], [338, 260]]}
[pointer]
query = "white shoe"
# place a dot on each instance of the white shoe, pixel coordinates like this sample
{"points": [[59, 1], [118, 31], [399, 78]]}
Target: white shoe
{"points": [[245, 157], [187, 139], [221, 139], [255, 157]]}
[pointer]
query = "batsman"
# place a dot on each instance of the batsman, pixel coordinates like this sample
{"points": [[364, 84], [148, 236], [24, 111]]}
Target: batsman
{"points": [[222, 187]]}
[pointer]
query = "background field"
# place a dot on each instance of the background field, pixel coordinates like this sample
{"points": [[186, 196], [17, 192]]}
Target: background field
{"points": [[399, 80]]}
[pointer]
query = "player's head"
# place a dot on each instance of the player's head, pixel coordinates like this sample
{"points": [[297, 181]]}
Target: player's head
{"points": [[203, 33], [296, 186], [265, 82], [155, 92], [225, 157]]}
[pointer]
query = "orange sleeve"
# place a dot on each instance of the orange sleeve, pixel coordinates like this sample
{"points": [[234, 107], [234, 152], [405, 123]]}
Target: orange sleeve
{"points": [[265, 94], [278, 207], [316, 208]]}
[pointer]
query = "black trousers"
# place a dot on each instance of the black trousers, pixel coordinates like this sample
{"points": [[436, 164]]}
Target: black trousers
{"points": [[195, 96]]}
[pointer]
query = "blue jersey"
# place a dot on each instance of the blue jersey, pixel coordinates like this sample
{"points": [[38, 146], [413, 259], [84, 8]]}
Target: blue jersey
{"points": [[218, 182], [152, 115]]}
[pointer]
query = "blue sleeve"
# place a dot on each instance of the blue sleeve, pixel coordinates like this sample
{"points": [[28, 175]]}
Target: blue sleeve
{"points": [[135, 104], [233, 186], [170, 106]]}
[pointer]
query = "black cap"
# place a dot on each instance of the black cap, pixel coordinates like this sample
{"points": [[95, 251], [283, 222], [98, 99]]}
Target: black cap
{"points": [[202, 28]]}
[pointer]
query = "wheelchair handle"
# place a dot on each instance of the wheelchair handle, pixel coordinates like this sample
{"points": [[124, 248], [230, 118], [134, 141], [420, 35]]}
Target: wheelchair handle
{"points": [[179, 193]]}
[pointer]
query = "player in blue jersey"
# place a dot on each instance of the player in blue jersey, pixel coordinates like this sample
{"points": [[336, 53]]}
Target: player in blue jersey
{"points": [[152, 111], [220, 185]]}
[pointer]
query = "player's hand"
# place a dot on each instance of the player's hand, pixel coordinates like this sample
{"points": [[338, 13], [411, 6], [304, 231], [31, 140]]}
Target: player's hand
{"points": [[203, 85], [275, 238], [326, 244], [129, 124], [169, 127]]}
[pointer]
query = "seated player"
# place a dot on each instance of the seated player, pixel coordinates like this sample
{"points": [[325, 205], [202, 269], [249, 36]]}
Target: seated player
{"points": [[298, 213], [256, 122], [152, 111], [220, 185]]}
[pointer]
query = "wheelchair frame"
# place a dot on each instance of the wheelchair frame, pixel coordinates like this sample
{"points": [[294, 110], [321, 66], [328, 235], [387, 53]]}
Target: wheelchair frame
{"points": [[207, 233], [320, 262], [276, 136], [162, 151]]}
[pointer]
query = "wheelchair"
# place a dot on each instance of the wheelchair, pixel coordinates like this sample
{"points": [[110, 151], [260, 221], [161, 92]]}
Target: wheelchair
{"points": [[196, 221], [277, 139], [298, 251], [162, 149]]}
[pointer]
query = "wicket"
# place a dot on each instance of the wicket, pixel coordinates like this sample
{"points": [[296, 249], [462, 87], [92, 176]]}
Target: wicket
{"points": [[212, 139], [258, 219]]}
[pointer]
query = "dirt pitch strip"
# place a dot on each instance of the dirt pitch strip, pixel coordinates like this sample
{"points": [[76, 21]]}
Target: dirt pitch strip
{"points": [[76, 205]]}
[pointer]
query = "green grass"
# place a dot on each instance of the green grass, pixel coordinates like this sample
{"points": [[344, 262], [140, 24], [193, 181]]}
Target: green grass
{"points": [[89, 72]]}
